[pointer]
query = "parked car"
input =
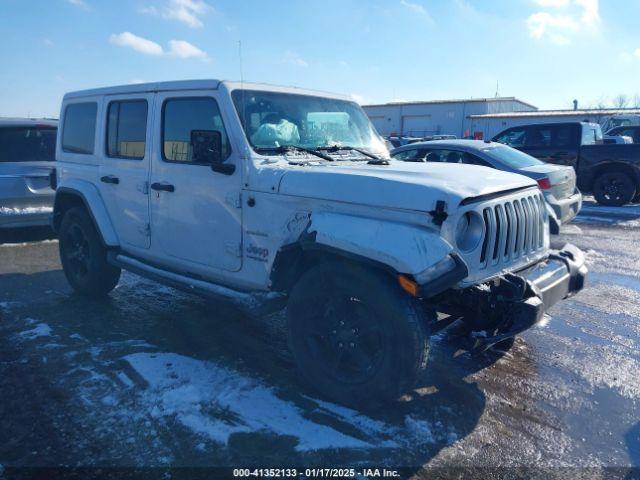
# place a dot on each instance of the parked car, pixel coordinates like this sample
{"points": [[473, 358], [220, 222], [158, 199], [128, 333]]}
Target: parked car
{"points": [[610, 172], [224, 188], [632, 131], [27, 152], [558, 183]]}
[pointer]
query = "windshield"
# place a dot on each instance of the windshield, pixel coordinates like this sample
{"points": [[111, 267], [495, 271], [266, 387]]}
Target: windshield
{"points": [[272, 120], [511, 157]]}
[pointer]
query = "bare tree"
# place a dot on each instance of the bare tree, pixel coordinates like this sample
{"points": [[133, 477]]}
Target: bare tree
{"points": [[636, 101], [620, 101]]}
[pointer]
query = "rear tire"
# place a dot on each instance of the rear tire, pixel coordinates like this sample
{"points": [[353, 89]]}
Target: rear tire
{"points": [[615, 188], [83, 256], [356, 336]]}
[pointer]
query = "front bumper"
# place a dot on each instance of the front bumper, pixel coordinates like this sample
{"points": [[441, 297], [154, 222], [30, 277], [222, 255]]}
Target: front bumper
{"points": [[513, 302], [562, 275], [563, 211]]}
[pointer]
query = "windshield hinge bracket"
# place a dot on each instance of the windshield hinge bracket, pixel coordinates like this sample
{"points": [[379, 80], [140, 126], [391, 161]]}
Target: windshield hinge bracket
{"points": [[439, 214]]}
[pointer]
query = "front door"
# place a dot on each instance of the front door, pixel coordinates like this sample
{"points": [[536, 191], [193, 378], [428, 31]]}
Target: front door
{"points": [[195, 212]]}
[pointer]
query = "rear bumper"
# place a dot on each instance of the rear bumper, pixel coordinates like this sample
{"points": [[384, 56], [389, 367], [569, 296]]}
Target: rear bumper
{"points": [[563, 211], [25, 201], [26, 217]]}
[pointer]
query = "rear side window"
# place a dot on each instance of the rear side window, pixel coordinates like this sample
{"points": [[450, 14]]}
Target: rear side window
{"points": [[127, 129], [556, 136], [591, 134], [27, 144], [181, 117], [79, 130], [412, 155]]}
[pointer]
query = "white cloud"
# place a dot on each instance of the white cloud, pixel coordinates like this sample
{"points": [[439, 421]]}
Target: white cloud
{"points": [[637, 52], [188, 12], [567, 18], [183, 49], [414, 7], [139, 44], [294, 59], [552, 3], [177, 48], [79, 3]]}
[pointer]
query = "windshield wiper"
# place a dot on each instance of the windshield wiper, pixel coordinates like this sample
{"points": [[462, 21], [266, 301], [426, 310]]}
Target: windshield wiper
{"points": [[376, 160], [295, 148]]}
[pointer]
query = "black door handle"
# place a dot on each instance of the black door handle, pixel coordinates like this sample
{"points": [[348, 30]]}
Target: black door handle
{"points": [[110, 179], [163, 187]]}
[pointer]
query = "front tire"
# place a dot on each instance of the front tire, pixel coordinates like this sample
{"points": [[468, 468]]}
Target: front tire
{"points": [[83, 257], [614, 188], [356, 336]]}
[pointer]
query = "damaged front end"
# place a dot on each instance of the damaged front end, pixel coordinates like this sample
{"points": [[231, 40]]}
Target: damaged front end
{"points": [[513, 302]]}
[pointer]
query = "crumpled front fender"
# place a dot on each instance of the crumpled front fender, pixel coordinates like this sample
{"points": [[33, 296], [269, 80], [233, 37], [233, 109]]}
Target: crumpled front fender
{"points": [[405, 248]]}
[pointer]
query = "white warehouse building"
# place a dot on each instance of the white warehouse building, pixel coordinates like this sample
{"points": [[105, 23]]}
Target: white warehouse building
{"points": [[437, 117]]}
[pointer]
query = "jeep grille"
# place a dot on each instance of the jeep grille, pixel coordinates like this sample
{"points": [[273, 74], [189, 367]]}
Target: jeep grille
{"points": [[515, 234]]}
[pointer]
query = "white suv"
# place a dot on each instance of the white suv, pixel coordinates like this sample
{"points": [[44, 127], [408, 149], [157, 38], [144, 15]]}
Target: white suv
{"points": [[225, 187]]}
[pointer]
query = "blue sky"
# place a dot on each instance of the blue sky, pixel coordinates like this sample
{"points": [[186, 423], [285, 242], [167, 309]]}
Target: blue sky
{"points": [[546, 52]]}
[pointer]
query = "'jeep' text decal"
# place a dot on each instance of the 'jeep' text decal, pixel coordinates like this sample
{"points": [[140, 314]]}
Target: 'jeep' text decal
{"points": [[257, 253]]}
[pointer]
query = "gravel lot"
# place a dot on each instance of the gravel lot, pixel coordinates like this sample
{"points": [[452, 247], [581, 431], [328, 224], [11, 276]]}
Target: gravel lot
{"points": [[152, 377]]}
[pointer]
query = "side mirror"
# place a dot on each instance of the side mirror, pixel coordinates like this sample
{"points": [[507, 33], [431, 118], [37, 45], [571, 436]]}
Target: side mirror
{"points": [[206, 147]]}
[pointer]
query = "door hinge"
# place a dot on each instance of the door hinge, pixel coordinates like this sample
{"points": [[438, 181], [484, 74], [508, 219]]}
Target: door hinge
{"points": [[234, 249], [145, 230], [143, 188], [233, 199]]}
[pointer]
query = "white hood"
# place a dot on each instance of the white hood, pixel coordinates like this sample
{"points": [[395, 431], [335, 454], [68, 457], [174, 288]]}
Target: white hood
{"points": [[404, 185]]}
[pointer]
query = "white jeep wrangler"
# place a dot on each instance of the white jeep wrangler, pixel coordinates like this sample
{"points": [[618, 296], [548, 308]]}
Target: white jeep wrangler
{"points": [[226, 187]]}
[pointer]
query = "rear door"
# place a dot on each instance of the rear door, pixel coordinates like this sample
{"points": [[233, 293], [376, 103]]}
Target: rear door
{"points": [[27, 154], [124, 165]]}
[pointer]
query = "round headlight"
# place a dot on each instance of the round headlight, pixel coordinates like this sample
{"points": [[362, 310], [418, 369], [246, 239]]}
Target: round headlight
{"points": [[469, 231]]}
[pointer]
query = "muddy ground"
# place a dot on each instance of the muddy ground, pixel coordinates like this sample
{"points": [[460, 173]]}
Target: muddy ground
{"points": [[152, 377]]}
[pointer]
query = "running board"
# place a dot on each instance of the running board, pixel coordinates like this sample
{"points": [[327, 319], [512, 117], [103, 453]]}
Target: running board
{"points": [[256, 304]]}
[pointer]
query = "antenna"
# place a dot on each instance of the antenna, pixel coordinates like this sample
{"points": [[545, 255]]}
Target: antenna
{"points": [[497, 88], [240, 60]]}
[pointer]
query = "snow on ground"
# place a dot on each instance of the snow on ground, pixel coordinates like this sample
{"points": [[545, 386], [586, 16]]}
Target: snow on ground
{"points": [[40, 330], [190, 390], [25, 210]]}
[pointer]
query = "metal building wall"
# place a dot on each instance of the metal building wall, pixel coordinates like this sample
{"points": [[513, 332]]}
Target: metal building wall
{"points": [[422, 119]]}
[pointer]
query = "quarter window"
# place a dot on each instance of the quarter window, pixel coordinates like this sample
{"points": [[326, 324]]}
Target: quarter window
{"points": [[127, 128], [79, 130], [181, 117]]}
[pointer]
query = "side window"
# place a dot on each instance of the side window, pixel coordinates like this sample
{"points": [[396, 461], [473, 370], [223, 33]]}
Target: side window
{"points": [[127, 128], [79, 129], [589, 136], [513, 137], [181, 117], [473, 160], [539, 136], [446, 156], [413, 155], [562, 136]]}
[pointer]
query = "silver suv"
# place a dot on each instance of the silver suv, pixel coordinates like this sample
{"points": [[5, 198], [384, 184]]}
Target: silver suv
{"points": [[234, 189], [27, 153]]}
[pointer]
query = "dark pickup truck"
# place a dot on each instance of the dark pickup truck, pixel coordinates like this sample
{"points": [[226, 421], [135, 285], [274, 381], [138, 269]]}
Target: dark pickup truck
{"points": [[611, 172]]}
